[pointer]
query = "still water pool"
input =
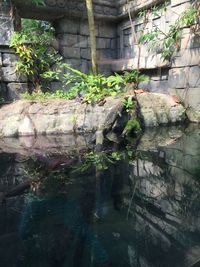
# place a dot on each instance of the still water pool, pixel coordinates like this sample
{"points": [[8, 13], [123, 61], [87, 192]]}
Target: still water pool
{"points": [[62, 204]]}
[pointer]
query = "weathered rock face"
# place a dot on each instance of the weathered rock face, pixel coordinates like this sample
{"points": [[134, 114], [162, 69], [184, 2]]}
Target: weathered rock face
{"points": [[157, 109], [57, 117], [25, 118]]}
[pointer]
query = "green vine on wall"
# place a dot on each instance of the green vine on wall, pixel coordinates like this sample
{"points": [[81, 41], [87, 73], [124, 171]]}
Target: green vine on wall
{"points": [[167, 42]]}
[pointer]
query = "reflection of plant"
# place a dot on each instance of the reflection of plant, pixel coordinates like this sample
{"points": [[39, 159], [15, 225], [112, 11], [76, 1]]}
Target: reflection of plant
{"points": [[99, 160], [102, 160]]}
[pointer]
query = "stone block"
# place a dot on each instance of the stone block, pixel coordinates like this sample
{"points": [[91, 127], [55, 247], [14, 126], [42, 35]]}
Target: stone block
{"points": [[70, 52], [156, 109], [186, 57], [155, 86], [189, 39], [106, 54], [128, 40], [194, 77], [84, 28], [178, 77], [3, 90], [85, 53], [113, 43], [70, 40], [189, 96], [15, 89], [67, 25], [103, 43], [75, 63], [54, 86], [84, 66], [178, 9], [178, 2], [110, 11], [83, 41], [107, 30], [6, 30], [9, 59], [9, 74]]}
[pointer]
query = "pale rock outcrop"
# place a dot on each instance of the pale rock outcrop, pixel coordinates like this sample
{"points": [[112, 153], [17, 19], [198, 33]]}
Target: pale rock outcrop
{"points": [[157, 109], [27, 118]]}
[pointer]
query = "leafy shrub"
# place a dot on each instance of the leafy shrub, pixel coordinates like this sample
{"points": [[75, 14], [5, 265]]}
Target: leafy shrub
{"points": [[92, 88], [32, 46], [128, 103], [135, 77]]}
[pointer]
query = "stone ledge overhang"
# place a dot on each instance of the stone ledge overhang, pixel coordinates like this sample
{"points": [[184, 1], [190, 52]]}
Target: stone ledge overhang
{"points": [[105, 10], [109, 10], [135, 6], [147, 63]]}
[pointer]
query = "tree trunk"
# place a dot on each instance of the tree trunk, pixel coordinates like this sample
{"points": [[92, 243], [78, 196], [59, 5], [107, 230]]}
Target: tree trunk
{"points": [[92, 31]]}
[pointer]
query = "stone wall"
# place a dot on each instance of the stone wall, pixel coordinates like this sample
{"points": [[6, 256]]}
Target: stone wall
{"points": [[181, 75], [116, 48], [72, 33], [11, 84], [74, 42]]}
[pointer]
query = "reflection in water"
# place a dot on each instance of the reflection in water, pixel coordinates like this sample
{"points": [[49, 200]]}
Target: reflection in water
{"points": [[125, 211]]}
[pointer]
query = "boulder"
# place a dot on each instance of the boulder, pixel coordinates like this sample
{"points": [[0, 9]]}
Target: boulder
{"points": [[25, 118], [158, 109], [31, 118]]}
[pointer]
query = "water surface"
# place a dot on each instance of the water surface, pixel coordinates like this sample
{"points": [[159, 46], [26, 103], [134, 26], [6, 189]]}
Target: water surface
{"points": [[129, 207]]}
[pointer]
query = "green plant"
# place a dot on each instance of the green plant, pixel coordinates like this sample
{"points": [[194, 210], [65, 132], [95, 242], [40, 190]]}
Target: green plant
{"points": [[92, 88], [135, 77], [32, 46], [35, 2], [132, 126], [38, 2], [128, 103], [2, 100]]}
